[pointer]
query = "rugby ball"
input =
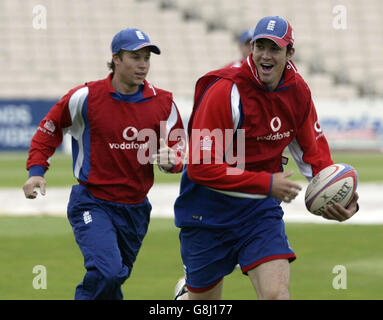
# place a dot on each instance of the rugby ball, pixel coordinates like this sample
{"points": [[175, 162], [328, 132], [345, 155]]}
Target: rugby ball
{"points": [[336, 183]]}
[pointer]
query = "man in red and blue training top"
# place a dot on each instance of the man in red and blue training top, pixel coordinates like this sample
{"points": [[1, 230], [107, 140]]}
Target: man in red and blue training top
{"points": [[229, 212], [119, 126]]}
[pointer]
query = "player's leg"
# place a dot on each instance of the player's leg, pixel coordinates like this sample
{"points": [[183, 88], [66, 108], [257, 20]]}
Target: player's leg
{"points": [[265, 254], [212, 293], [271, 280], [208, 256], [102, 259], [96, 236], [131, 222]]}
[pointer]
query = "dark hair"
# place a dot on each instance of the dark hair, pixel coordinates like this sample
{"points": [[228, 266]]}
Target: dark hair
{"points": [[111, 64], [288, 48]]}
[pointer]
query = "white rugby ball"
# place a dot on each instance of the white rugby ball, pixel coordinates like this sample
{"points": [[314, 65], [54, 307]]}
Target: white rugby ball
{"points": [[336, 183]]}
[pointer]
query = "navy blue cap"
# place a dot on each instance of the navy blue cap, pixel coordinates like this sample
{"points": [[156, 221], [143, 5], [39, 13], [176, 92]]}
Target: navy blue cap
{"points": [[276, 29], [132, 39], [246, 36]]}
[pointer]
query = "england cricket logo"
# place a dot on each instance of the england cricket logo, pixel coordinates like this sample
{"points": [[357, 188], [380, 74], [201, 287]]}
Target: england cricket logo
{"points": [[271, 25]]}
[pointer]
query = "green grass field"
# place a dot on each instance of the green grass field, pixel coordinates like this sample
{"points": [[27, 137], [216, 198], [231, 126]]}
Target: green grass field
{"points": [[48, 241], [14, 174], [29, 241]]}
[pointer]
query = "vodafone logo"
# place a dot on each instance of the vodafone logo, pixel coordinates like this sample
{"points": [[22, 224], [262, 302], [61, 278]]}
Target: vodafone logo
{"points": [[275, 124], [130, 133], [318, 130], [317, 127]]}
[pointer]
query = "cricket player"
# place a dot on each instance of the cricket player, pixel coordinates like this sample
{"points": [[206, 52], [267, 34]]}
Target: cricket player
{"points": [[244, 47], [230, 214], [119, 126]]}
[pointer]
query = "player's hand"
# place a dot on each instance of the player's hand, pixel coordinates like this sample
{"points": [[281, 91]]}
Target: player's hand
{"points": [[31, 184], [340, 213], [282, 188], [166, 157]]}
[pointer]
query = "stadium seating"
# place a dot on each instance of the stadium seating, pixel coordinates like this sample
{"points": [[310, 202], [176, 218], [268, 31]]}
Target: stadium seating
{"points": [[194, 36]]}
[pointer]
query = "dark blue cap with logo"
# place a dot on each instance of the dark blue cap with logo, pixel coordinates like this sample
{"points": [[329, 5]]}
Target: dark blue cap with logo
{"points": [[132, 39], [276, 29]]}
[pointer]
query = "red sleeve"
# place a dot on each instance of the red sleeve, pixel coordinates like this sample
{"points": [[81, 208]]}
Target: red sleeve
{"points": [[177, 141], [312, 151], [49, 133], [206, 163]]}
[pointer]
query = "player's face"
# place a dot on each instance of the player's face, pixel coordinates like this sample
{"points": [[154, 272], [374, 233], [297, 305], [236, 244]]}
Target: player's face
{"points": [[270, 61], [132, 67]]}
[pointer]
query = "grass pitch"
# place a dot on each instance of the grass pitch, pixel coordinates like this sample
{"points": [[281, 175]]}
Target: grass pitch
{"points": [[14, 174], [26, 242], [29, 241]]}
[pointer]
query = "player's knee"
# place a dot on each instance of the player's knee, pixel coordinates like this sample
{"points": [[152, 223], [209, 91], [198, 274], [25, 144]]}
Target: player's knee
{"points": [[213, 293], [275, 294], [106, 281], [115, 278]]}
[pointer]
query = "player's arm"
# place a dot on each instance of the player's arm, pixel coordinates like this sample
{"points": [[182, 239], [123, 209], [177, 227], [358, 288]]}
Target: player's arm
{"points": [[312, 154], [172, 147], [309, 148], [47, 138], [43, 145]]}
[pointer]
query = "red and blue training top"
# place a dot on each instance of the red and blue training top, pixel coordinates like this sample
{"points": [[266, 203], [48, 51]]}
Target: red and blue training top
{"points": [[113, 138], [236, 98]]}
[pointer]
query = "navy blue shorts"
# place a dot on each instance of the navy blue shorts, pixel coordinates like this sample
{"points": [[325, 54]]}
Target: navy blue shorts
{"points": [[210, 254], [109, 235]]}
